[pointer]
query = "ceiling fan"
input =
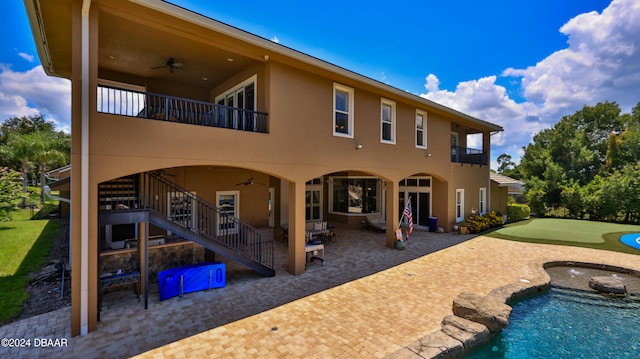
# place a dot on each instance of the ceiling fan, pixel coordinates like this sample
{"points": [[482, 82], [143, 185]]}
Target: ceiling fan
{"points": [[249, 182], [171, 64]]}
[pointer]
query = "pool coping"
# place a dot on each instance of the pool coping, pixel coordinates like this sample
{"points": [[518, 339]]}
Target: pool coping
{"points": [[477, 319]]}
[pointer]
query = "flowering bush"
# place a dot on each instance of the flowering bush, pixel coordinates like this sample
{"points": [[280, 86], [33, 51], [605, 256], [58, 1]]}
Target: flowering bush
{"points": [[479, 223]]}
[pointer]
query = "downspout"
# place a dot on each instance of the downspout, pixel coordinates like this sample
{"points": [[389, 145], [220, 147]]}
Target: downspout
{"points": [[84, 174]]}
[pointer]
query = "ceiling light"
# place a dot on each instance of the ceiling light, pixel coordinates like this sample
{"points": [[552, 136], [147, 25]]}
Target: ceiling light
{"points": [[229, 59]]}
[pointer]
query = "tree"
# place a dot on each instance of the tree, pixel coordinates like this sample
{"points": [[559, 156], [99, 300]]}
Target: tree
{"points": [[20, 148], [47, 150], [505, 164], [24, 125], [9, 192]]}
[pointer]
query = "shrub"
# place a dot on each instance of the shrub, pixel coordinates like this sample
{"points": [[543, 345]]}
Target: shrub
{"points": [[517, 212], [478, 223]]}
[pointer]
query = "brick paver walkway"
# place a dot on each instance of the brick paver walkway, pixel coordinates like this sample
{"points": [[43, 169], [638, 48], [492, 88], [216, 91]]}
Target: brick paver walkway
{"points": [[368, 302]]}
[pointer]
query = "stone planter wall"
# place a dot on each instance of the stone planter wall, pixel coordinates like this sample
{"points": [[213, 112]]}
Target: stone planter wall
{"points": [[160, 258]]}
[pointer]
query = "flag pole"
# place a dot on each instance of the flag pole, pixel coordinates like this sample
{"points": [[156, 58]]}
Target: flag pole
{"points": [[402, 216]]}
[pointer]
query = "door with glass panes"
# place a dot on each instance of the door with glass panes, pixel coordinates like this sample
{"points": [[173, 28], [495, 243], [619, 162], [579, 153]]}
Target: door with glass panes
{"points": [[418, 189]]}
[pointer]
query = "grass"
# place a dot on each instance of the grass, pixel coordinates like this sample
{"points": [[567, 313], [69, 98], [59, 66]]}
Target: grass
{"points": [[569, 232], [24, 247]]}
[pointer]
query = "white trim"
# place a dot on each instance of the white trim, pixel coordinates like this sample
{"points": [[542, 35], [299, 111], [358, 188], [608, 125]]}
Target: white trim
{"points": [[236, 209], [424, 128], [350, 112], [239, 86], [392, 106], [459, 218], [482, 201]]}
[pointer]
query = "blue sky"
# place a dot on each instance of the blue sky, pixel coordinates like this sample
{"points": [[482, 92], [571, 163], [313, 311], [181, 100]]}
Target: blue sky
{"points": [[520, 64]]}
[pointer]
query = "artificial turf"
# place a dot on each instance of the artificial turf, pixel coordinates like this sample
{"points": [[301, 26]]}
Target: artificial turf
{"points": [[571, 232]]}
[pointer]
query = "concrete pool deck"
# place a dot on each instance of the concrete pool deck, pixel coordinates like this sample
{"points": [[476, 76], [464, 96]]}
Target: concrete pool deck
{"points": [[368, 302]]}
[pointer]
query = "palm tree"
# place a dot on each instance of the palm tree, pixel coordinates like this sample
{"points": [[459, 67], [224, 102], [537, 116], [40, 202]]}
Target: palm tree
{"points": [[20, 148], [47, 150]]}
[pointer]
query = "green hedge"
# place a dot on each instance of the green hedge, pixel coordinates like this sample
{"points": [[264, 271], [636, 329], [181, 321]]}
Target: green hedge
{"points": [[517, 212]]}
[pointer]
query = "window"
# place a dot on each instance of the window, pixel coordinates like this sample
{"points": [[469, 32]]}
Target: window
{"points": [[342, 111], [459, 205], [240, 97], [313, 196], [388, 121], [351, 195], [483, 200], [421, 129]]}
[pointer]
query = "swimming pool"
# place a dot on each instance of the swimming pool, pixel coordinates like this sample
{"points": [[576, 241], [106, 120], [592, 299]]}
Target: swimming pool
{"points": [[570, 322], [631, 239]]}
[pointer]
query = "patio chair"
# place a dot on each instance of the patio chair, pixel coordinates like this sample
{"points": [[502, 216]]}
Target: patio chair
{"points": [[314, 248]]}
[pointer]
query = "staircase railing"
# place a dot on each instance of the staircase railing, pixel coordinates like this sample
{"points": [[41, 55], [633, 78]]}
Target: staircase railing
{"points": [[191, 212]]}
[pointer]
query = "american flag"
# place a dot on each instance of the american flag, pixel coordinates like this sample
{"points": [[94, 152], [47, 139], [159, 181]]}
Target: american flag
{"points": [[408, 214]]}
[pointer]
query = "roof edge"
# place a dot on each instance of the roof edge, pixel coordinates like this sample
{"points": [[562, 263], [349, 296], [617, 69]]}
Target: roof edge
{"points": [[229, 30]]}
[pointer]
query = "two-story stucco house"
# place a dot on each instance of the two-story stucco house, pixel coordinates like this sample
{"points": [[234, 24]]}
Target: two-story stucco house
{"points": [[186, 125]]}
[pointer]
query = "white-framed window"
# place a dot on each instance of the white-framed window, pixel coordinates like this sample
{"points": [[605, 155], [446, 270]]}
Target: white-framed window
{"points": [[483, 200], [354, 195], [242, 96], [228, 203], [387, 121], [459, 205], [421, 129], [342, 110]]}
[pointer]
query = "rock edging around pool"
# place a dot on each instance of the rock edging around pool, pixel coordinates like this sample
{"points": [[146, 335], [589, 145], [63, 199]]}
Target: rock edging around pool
{"points": [[477, 319]]}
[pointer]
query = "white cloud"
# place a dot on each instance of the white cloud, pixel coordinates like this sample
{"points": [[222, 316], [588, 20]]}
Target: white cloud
{"points": [[275, 39], [26, 56], [31, 92], [601, 63]]}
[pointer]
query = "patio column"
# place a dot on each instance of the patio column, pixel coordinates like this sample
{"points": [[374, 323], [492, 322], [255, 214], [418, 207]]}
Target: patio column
{"points": [[296, 252], [392, 208], [143, 253]]}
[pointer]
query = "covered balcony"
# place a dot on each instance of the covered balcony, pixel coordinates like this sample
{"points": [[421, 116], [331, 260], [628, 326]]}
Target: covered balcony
{"points": [[124, 102]]}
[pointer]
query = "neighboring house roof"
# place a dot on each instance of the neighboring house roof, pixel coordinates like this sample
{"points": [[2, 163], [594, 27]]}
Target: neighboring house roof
{"points": [[59, 173], [515, 186], [56, 55]]}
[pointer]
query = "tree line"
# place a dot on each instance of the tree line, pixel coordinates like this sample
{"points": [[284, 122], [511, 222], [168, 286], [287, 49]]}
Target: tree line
{"points": [[586, 166], [31, 146]]}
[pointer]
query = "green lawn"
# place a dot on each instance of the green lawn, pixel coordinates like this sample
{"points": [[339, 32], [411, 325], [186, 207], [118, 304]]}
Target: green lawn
{"points": [[24, 247], [571, 232]]}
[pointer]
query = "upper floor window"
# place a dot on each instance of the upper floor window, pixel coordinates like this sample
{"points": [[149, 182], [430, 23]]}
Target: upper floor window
{"points": [[421, 129], [388, 121], [342, 111]]}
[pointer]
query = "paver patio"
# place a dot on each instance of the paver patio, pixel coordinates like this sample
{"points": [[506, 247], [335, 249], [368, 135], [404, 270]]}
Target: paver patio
{"points": [[369, 301]]}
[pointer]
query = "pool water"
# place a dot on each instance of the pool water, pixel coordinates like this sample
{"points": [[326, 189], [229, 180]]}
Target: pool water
{"points": [[569, 323]]}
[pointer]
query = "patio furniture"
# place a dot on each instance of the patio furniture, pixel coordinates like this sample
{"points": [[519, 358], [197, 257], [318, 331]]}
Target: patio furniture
{"points": [[314, 249], [118, 280], [376, 221]]}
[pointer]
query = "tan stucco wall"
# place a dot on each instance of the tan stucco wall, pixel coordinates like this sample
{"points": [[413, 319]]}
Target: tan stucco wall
{"points": [[299, 146], [499, 198]]}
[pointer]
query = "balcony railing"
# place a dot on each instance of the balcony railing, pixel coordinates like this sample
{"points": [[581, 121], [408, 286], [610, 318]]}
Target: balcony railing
{"points": [[124, 102], [468, 155]]}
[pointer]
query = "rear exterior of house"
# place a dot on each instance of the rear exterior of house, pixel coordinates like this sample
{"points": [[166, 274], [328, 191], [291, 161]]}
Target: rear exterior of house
{"points": [[184, 125]]}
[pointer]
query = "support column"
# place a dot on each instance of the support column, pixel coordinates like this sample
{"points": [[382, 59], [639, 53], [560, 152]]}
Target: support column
{"points": [[296, 245], [392, 208], [143, 253]]}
